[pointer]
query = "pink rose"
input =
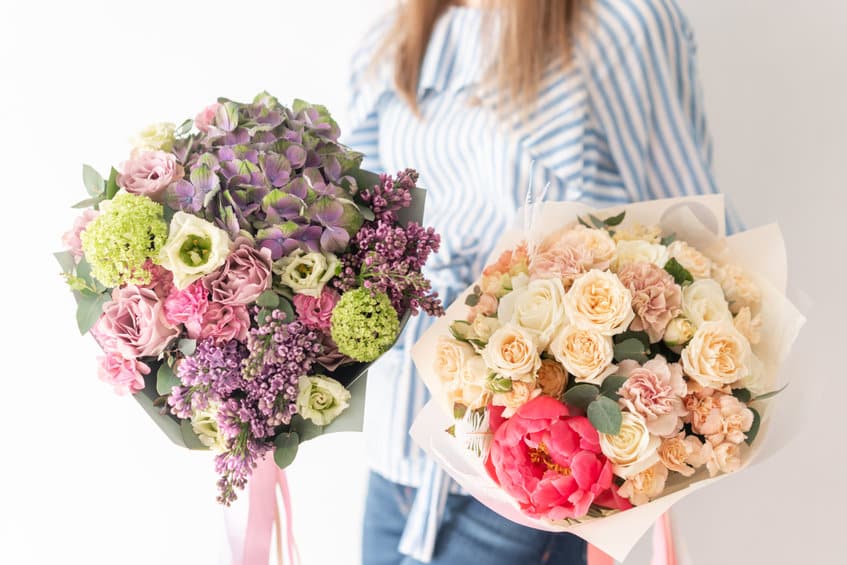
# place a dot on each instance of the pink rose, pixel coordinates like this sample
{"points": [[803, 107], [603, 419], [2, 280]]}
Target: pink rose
{"points": [[134, 324], [204, 119], [224, 322], [551, 462], [71, 237], [245, 274], [656, 298], [316, 313], [149, 173], [656, 391], [125, 375], [188, 307]]}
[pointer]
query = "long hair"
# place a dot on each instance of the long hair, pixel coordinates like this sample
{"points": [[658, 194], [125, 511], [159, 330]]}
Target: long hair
{"points": [[532, 34]]}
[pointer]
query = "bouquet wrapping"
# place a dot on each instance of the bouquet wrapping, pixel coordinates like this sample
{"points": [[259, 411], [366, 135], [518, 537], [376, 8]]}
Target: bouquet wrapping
{"points": [[240, 272], [607, 364]]}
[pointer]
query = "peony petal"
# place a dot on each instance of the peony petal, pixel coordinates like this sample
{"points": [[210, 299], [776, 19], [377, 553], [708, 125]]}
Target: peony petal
{"points": [[585, 468]]}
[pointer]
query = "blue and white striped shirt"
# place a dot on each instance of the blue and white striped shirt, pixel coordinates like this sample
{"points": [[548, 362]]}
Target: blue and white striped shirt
{"points": [[622, 122]]}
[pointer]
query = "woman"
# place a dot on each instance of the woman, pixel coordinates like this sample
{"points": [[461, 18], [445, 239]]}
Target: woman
{"points": [[597, 98]]}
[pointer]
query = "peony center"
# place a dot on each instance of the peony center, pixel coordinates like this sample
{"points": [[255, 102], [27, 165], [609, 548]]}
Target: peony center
{"points": [[541, 455]]}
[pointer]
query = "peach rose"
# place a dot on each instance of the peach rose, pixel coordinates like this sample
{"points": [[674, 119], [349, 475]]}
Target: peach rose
{"points": [[599, 301], [694, 262], [585, 353], [717, 355], [551, 378], [643, 487], [511, 352], [521, 393], [739, 288]]}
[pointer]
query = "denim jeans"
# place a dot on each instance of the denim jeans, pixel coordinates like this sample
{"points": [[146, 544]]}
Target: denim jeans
{"points": [[469, 534]]}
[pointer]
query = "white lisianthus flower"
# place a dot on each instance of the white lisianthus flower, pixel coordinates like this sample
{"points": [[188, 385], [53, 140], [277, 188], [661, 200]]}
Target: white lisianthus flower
{"points": [[599, 301], [194, 248], [155, 137], [321, 399], [205, 425], [639, 251], [538, 308], [306, 273], [703, 301], [633, 449]]}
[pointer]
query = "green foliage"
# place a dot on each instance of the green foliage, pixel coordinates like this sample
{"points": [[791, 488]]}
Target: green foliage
{"points": [[632, 348], [581, 396], [754, 428], [166, 379], [285, 451], [611, 385], [678, 272], [605, 415]]}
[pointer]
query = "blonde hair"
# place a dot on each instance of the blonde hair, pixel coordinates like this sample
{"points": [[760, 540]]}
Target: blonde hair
{"points": [[533, 34]]}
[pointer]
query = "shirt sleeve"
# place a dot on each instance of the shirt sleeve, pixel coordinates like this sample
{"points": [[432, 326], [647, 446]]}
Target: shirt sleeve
{"points": [[643, 85]]}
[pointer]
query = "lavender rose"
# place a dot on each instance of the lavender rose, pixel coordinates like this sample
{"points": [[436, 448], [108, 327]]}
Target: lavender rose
{"points": [[134, 324], [656, 298], [224, 322], [245, 274], [149, 173]]}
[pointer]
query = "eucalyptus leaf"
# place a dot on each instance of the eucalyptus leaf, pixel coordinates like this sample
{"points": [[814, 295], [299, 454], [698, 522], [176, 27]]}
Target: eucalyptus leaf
{"points": [[184, 128], [459, 411], [583, 222], [631, 348], [93, 181], [112, 184], [268, 299], [754, 427], [742, 394], [366, 212], [605, 415], [285, 451], [472, 300], [187, 346], [581, 395], [166, 379], [668, 239], [66, 261], [611, 385], [598, 223], [770, 394], [643, 337], [615, 220], [89, 306], [88, 202], [678, 272], [287, 308]]}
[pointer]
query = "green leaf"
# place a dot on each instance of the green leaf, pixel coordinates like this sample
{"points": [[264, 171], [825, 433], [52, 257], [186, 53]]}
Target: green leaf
{"points": [[112, 184], [754, 427], [268, 299], [187, 346], [582, 222], [643, 337], [598, 223], [472, 300], [678, 272], [286, 307], [668, 239], [286, 445], [183, 128], [615, 220], [498, 383], [461, 330], [605, 415], [581, 395], [742, 394], [66, 260], [770, 394], [459, 411], [93, 181], [89, 306], [631, 348], [88, 202], [166, 379], [611, 385], [366, 212]]}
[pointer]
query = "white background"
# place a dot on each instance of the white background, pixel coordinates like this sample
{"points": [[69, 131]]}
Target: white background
{"points": [[85, 477]]}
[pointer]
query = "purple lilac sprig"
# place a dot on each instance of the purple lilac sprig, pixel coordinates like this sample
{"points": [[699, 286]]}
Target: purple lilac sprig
{"points": [[211, 374], [386, 257]]}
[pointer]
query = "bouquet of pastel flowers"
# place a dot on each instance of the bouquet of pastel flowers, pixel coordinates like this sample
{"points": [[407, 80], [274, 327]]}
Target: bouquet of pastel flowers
{"points": [[607, 364], [240, 272]]}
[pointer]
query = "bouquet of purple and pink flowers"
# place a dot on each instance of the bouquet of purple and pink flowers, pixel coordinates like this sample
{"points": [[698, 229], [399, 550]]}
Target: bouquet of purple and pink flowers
{"points": [[240, 273]]}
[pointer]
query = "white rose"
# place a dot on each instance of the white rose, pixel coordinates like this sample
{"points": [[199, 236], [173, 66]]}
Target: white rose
{"points": [[205, 425], [639, 251], [586, 354], [703, 301], [538, 308], [679, 332], [717, 355], [694, 262], [483, 326], [740, 289], [598, 300], [633, 449], [306, 273], [194, 248], [321, 399], [462, 371], [155, 137], [511, 352]]}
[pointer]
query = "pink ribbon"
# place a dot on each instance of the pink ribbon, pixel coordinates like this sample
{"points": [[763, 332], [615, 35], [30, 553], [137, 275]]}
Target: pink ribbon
{"points": [[663, 546], [263, 518]]}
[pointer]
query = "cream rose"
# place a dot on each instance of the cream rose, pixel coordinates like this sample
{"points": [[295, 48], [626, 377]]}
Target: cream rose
{"points": [[511, 352], [694, 262], [679, 332], [194, 248], [650, 234], [538, 308], [639, 251], [463, 373], [585, 353], [717, 355], [633, 449], [483, 327], [306, 273], [703, 301], [599, 244], [739, 288], [599, 301]]}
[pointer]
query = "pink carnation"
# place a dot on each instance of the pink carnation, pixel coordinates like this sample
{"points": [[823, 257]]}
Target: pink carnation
{"points": [[188, 307], [71, 238], [125, 375], [566, 262], [316, 313], [550, 462], [149, 173], [224, 322], [204, 119], [245, 274], [161, 280], [656, 391], [656, 298], [133, 324]]}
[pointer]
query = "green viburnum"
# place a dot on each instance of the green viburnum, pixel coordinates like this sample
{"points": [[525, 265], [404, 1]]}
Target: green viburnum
{"points": [[129, 230], [364, 326], [321, 399]]}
